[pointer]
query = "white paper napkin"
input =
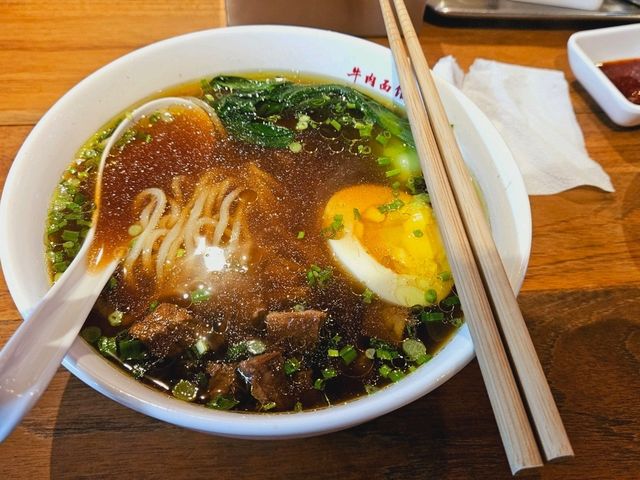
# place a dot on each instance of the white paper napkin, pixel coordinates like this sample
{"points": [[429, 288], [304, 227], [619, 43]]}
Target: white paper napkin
{"points": [[531, 109]]}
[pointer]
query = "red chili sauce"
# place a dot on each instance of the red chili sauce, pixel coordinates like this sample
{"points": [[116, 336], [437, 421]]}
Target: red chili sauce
{"points": [[625, 75]]}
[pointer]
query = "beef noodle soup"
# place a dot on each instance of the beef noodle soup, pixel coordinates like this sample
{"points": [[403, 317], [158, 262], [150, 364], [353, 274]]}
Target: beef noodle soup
{"points": [[279, 252]]}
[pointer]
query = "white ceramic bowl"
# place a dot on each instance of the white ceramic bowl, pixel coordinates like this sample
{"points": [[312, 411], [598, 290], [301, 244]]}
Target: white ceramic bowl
{"points": [[590, 48], [53, 142]]}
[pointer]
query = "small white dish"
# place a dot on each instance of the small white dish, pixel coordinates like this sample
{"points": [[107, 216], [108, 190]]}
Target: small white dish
{"points": [[591, 48], [52, 143]]}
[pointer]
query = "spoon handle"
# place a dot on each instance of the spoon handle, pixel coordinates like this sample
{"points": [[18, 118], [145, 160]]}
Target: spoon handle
{"points": [[32, 355]]}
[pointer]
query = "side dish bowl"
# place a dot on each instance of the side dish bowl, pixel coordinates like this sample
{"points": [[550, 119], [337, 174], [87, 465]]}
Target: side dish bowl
{"points": [[53, 142], [588, 49]]}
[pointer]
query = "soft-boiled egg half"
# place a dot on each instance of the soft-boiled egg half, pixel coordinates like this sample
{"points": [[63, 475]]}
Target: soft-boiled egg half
{"points": [[390, 242]]}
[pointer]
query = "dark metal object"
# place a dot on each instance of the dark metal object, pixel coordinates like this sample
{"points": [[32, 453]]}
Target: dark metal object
{"points": [[611, 10]]}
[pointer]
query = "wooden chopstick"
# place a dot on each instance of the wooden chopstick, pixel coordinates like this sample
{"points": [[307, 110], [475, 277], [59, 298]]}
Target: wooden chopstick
{"points": [[542, 407], [511, 417]]}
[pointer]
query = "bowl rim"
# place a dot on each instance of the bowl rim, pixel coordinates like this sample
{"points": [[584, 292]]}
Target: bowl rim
{"points": [[264, 425]]}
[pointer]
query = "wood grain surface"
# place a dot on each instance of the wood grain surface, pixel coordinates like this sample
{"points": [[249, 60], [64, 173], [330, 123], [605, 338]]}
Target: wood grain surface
{"points": [[580, 298]]}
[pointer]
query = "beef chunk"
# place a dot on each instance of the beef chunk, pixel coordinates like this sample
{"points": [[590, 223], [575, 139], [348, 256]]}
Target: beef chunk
{"points": [[166, 331], [385, 322], [223, 379], [295, 331], [269, 383]]}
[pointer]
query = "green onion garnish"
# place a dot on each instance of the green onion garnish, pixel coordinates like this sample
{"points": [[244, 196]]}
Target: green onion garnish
{"points": [[295, 147], [200, 295], [392, 173], [221, 402], [413, 348], [115, 318], [368, 296], [333, 352], [291, 366], [430, 296], [300, 234], [185, 390], [432, 317], [444, 276], [383, 161], [348, 354], [394, 205], [418, 233], [91, 334]]}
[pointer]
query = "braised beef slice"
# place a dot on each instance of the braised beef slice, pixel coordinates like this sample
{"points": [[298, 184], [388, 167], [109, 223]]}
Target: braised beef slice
{"points": [[269, 383], [295, 331], [166, 331], [223, 379], [385, 322]]}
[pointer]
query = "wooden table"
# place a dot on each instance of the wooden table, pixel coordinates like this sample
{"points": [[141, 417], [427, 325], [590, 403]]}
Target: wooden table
{"points": [[580, 297]]}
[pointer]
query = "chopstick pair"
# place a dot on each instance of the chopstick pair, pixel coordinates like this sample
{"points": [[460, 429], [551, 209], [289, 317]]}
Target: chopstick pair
{"points": [[481, 281]]}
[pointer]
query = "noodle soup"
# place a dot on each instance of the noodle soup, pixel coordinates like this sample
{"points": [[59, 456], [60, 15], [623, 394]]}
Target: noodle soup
{"points": [[279, 249]]}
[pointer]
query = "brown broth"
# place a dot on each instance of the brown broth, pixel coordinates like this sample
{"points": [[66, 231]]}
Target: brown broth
{"points": [[275, 279]]}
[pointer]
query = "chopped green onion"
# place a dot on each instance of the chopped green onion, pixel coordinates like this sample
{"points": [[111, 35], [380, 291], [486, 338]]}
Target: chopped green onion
{"points": [[318, 384], [107, 346], [297, 407], [430, 296], [200, 295], [392, 206], [303, 122], [392, 173], [185, 390], [413, 348], [364, 129], [384, 370], [295, 147], [334, 228], [370, 389], [364, 149], [299, 307], [70, 236], [115, 318], [396, 374], [457, 322], [91, 334], [432, 317], [317, 276], [255, 347], [444, 276], [333, 352], [418, 233], [348, 354], [220, 402], [370, 353], [423, 358], [328, 373], [291, 366], [368, 296], [335, 124], [131, 349], [153, 305], [300, 234], [383, 161], [451, 300], [382, 139], [180, 252]]}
